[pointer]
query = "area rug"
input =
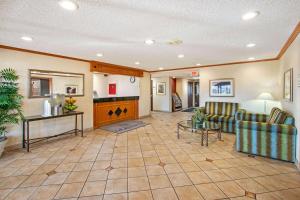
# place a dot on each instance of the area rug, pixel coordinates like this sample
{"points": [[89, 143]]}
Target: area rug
{"points": [[188, 110], [125, 126]]}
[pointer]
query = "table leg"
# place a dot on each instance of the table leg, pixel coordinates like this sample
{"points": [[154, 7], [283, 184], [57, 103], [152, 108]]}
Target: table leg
{"points": [[81, 125], [177, 131], [75, 124], [202, 137], [27, 136], [206, 137], [23, 133]]}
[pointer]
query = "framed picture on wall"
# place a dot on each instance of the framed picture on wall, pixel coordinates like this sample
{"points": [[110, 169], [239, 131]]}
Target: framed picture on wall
{"points": [[71, 89], [161, 88], [112, 89], [288, 85], [221, 88]]}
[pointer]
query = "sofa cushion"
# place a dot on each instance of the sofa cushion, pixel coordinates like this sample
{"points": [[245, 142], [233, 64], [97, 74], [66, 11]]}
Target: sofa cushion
{"points": [[220, 118], [221, 108], [277, 116]]}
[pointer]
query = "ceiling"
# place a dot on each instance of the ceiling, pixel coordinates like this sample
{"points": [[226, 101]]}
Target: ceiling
{"points": [[212, 31]]}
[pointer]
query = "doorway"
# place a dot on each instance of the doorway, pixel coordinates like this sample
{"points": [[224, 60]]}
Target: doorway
{"points": [[193, 94]]}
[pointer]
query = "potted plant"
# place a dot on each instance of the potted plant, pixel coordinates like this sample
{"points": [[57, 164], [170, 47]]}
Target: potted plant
{"points": [[10, 103], [70, 104]]}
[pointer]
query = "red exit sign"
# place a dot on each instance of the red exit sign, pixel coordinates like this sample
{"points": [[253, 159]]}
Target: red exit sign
{"points": [[195, 73]]}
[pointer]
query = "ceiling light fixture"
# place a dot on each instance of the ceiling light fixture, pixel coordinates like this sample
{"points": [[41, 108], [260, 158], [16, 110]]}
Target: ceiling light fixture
{"points": [[161, 68], [174, 77], [26, 38], [68, 5], [198, 64], [251, 58], [99, 54], [250, 15], [137, 63], [149, 42], [250, 45], [180, 56]]}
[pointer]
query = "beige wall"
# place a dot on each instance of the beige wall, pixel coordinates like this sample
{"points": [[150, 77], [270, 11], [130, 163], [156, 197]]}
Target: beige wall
{"points": [[250, 80], [162, 102], [182, 90], [291, 59], [144, 102], [21, 62]]}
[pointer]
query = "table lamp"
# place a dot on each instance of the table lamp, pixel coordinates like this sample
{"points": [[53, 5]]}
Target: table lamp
{"points": [[265, 96]]}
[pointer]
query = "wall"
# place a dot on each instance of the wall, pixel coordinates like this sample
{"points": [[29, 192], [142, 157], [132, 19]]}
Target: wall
{"points": [[162, 102], [144, 102], [182, 90], [22, 62], [124, 86], [291, 59], [250, 80]]}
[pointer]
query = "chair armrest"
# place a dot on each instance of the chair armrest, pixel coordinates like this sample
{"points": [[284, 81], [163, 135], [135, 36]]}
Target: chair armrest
{"points": [[254, 117], [239, 114], [267, 127]]}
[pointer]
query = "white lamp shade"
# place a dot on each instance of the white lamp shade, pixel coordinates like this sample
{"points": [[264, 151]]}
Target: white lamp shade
{"points": [[265, 96]]}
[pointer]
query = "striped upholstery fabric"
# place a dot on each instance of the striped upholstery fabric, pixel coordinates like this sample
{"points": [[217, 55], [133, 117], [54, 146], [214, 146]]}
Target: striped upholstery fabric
{"points": [[223, 112], [254, 135], [277, 116]]}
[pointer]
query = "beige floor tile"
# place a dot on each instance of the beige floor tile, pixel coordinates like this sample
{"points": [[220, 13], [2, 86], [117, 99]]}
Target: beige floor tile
{"points": [[190, 167], [116, 186], [135, 162], [83, 166], [222, 164], [271, 183], [251, 186], [34, 180], [80, 176], [122, 196], [91, 198], [119, 163], [234, 173], [4, 193], [180, 179], [65, 167], [119, 156], [117, 173], [217, 175], [141, 195], [21, 193], [199, 177], [188, 193], [151, 161], [290, 180], [173, 168], [290, 194], [44, 169], [210, 191], [11, 182], [251, 171], [231, 189], [206, 166], [69, 190], [93, 188], [155, 170], [45, 192], [98, 175], [167, 159], [102, 164], [149, 154], [58, 178], [136, 172], [160, 181], [138, 184], [269, 196], [164, 194]]}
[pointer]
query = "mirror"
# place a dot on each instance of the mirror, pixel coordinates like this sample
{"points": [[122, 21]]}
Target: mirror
{"points": [[45, 83]]}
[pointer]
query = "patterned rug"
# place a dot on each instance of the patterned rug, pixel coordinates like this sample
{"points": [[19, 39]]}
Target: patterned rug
{"points": [[188, 110], [125, 126]]}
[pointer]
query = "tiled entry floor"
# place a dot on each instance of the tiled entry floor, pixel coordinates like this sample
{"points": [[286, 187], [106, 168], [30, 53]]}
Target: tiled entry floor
{"points": [[147, 163]]}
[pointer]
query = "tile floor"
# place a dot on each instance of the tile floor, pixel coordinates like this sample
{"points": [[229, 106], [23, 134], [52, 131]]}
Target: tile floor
{"points": [[147, 163]]}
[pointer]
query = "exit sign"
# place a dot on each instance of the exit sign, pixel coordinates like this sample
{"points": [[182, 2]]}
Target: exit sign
{"points": [[195, 73]]}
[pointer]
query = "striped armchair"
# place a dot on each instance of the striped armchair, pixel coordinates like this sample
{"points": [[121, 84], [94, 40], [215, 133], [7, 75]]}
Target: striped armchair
{"points": [[271, 135], [223, 112]]}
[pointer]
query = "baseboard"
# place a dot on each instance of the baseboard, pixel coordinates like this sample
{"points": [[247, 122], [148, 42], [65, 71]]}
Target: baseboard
{"points": [[18, 146], [297, 164], [162, 111], [145, 116]]}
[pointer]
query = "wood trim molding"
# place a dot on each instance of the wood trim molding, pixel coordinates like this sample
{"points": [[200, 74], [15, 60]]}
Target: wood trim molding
{"points": [[42, 53], [216, 65], [288, 43]]}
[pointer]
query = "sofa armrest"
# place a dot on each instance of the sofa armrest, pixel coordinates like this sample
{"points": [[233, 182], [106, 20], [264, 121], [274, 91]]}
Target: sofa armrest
{"points": [[267, 127], [239, 114], [254, 117]]}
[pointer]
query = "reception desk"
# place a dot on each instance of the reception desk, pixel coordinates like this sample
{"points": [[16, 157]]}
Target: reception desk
{"points": [[114, 109]]}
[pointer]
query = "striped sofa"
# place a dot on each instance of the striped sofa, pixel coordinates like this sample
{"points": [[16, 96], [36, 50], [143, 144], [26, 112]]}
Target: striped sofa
{"points": [[223, 112], [271, 135]]}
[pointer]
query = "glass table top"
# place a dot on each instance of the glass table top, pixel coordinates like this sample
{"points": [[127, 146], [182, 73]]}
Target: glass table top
{"points": [[205, 125]]}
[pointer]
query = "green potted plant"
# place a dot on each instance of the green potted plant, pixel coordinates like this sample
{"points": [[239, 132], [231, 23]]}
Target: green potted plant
{"points": [[10, 103]]}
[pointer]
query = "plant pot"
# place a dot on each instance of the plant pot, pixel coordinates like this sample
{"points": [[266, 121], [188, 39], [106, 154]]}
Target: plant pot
{"points": [[3, 141]]}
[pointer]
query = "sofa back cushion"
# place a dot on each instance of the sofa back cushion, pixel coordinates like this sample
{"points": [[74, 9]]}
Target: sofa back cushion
{"points": [[278, 116], [221, 108]]}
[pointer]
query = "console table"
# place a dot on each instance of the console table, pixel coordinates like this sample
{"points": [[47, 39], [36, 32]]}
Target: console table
{"points": [[26, 127]]}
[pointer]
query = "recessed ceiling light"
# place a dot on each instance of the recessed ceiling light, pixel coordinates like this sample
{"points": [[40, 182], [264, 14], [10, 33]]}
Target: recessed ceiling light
{"points": [[161, 68], [250, 45], [198, 64], [149, 42], [174, 77], [26, 38], [180, 56], [68, 5], [137, 63], [250, 15], [99, 54], [251, 58]]}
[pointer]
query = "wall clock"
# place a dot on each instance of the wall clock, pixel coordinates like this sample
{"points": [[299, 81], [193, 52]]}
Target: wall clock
{"points": [[132, 79]]}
